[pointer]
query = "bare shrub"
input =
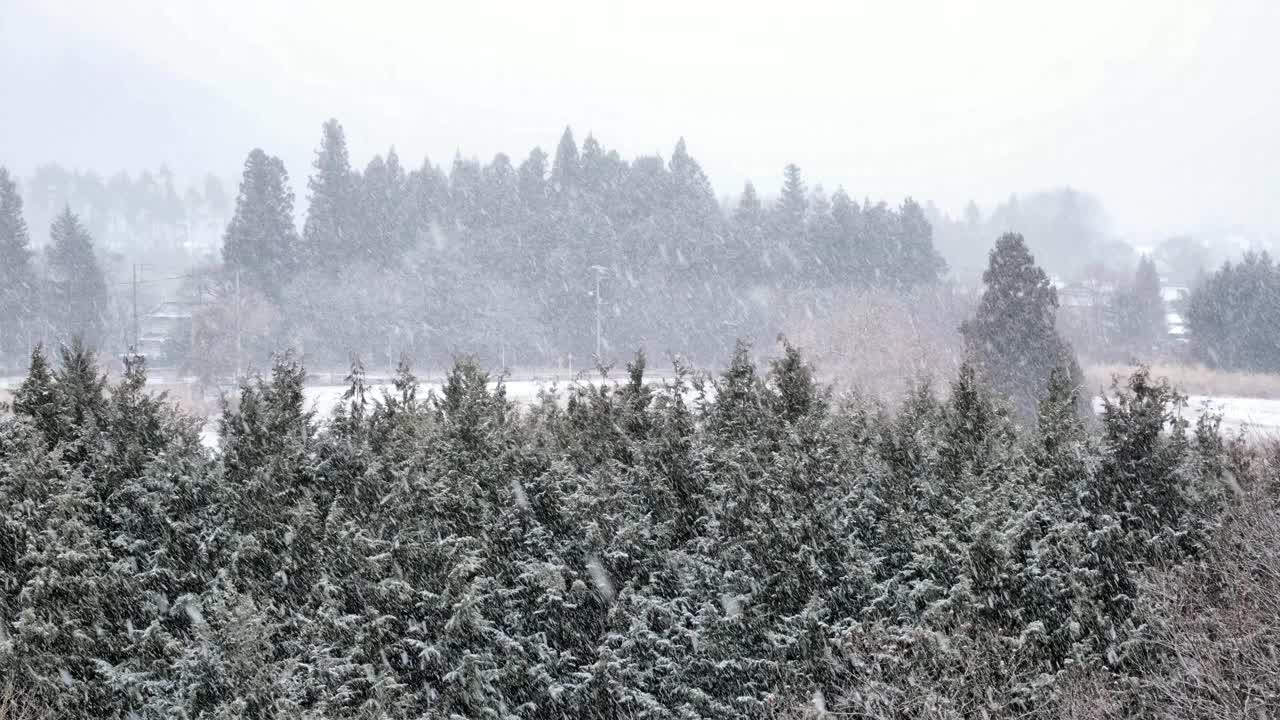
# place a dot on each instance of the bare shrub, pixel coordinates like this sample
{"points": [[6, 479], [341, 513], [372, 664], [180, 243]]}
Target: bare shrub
{"points": [[881, 342], [1195, 380], [14, 705], [1214, 626]]}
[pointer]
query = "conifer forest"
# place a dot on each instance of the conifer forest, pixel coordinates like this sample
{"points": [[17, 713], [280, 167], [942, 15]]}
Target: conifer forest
{"points": [[843, 362]]}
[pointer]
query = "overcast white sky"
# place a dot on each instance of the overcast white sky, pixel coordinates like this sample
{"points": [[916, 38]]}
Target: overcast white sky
{"points": [[1169, 110]]}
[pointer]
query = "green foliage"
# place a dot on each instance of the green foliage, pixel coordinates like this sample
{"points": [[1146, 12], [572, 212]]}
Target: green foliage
{"points": [[77, 298], [1139, 311], [17, 276], [1012, 339], [1234, 317], [504, 261], [331, 236], [261, 242], [629, 548]]}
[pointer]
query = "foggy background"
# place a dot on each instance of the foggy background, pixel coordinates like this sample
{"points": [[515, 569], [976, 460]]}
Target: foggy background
{"points": [[1165, 110]]}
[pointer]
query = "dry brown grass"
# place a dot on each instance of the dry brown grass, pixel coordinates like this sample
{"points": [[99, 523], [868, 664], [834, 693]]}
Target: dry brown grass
{"points": [[187, 396], [1194, 380], [13, 705], [1217, 624], [881, 342]]}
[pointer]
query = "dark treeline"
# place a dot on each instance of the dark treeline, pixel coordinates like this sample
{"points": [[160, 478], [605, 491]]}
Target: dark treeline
{"points": [[1068, 230], [61, 297], [1234, 316], [147, 216], [1126, 318], [504, 258], [69, 253], [742, 546]]}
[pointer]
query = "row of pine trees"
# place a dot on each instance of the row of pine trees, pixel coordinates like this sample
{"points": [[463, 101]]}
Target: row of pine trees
{"points": [[743, 545], [497, 258], [485, 257], [64, 296]]}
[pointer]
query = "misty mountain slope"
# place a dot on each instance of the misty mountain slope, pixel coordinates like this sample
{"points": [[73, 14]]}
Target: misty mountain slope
{"points": [[106, 111]]}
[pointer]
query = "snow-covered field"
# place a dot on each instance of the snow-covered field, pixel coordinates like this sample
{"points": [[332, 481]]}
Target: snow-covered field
{"points": [[1253, 415], [323, 399], [1257, 417]]}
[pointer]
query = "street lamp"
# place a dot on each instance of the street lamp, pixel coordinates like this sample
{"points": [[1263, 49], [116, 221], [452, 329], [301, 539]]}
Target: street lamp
{"points": [[600, 271]]}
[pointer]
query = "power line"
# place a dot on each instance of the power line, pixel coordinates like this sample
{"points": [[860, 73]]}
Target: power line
{"points": [[159, 280]]}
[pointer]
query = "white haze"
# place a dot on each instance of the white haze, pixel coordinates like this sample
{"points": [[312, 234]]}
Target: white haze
{"points": [[1166, 109]]}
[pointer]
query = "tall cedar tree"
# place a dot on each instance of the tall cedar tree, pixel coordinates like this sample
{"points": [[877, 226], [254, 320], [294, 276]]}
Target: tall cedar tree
{"points": [[19, 301], [917, 262], [77, 288], [383, 210], [787, 241], [261, 241], [497, 267], [1012, 338], [621, 554], [1140, 310], [1234, 316], [566, 168], [331, 233]]}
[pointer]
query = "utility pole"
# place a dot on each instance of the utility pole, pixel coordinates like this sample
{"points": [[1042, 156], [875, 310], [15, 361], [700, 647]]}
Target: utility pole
{"points": [[135, 307], [599, 270], [137, 333], [238, 348]]}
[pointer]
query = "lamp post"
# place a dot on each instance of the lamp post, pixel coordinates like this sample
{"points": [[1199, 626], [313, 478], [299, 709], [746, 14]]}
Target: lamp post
{"points": [[599, 270]]}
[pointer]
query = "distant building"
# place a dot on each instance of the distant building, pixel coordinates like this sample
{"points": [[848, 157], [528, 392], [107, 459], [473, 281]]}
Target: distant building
{"points": [[168, 324], [1085, 294], [1175, 304]]}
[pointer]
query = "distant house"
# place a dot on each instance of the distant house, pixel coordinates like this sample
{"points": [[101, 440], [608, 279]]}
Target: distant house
{"points": [[159, 329], [1085, 294], [1175, 304]]}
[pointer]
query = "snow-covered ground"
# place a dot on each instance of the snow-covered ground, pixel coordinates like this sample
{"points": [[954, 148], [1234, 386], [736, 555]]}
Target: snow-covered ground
{"points": [[1254, 415], [323, 399], [1257, 417]]}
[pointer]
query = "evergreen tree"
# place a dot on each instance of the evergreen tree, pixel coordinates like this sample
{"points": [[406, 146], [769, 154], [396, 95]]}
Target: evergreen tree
{"points": [[594, 169], [261, 242], [846, 251], [1140, 309], [500, 193], [876, 245], [696, 232], [917, 262], [630, 549], [38, 399], [567, 168], [822, 252], [383, 205], [748, 225], [1012, 338], [465, 188], [331, 234], [19, 296], [1234, 318], [77, 288], [788, 241], [533, 181], [427, 206]]}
